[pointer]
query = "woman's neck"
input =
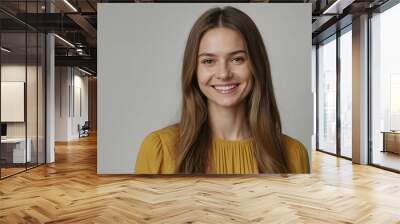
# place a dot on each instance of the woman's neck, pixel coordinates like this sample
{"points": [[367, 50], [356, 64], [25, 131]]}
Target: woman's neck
{"points": [[228, 123]]}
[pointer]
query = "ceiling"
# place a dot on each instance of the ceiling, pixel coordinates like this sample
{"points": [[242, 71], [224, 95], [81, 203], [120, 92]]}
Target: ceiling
{"points": [[76, 22]]}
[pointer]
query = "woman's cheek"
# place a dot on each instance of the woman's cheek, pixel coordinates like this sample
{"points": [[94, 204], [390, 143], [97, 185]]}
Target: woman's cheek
{"points": [[203, 76]]}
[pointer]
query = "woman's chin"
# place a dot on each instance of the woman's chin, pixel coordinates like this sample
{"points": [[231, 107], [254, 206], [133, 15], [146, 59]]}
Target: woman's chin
{"points": [[228, 103]]}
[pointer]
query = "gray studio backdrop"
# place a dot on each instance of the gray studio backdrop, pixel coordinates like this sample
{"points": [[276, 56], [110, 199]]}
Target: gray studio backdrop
{"points": [[140, 49]]}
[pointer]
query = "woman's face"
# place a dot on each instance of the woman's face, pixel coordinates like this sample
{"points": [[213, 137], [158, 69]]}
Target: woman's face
{"points": [[223, 67]]}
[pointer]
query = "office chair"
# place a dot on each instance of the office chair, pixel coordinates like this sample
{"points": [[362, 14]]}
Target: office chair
{"points": [[84, 130]]}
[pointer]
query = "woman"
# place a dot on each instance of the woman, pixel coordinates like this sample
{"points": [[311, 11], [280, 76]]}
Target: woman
{"points": [[230, 122]]}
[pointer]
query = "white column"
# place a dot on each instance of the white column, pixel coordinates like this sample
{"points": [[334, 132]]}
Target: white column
{"points": [[63, 101], [50, 110], [50, 92], [360, 90]]}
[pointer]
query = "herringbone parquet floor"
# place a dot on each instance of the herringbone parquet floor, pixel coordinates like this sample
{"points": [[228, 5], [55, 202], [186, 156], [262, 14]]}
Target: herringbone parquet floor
{"points": [[70, 191]]}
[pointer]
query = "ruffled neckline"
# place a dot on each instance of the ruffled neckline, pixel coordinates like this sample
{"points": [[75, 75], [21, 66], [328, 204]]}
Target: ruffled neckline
{"points": [[239, 141]]}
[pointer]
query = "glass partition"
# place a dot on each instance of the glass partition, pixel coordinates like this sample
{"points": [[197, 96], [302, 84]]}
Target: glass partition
{"points": [[32, 95], [346, 93], [385, 89], [327, 95], [22, 77], [41, 88], [14, 153]]}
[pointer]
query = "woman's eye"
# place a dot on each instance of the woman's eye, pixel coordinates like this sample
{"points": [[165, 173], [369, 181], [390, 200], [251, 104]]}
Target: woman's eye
{"points": [[238, 60], [207, 61]]}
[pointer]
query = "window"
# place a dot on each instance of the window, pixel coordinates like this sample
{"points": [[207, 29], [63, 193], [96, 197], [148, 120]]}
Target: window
{"points": [[385, 89], [346, 93], [327, 96]]}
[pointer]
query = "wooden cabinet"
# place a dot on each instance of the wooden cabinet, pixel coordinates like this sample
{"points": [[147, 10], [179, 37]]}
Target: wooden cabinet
{"points": [[391, 142]]}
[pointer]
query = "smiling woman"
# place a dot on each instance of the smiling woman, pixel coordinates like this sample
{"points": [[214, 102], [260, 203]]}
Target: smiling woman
{"points": [[223, 70], [230, 123]]}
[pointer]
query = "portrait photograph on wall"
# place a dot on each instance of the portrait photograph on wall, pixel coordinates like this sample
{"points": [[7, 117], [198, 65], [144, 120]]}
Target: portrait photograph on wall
{"points": [[204, 89]]}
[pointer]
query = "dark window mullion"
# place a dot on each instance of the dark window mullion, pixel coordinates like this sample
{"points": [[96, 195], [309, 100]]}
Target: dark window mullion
{"points": [[317, 95], [26, 86], [338, 78], [369, 90], [44, 72], [37, 90], [0, 96]]}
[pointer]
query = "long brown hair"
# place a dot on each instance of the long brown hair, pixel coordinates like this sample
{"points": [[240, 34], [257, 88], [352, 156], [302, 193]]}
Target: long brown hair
{"points": [[262, 112]]}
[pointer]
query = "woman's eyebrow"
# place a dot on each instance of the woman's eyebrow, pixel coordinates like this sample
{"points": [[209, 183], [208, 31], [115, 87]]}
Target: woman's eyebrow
{"points": [[230, 53], [206, 54], [237, 52]]}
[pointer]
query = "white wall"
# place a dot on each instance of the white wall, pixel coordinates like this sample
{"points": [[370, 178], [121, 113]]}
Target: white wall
{"points": [[139, 71], [67, 81], [62, 80], [79, 117], [17, 72], [12, 101], [33, 126]]}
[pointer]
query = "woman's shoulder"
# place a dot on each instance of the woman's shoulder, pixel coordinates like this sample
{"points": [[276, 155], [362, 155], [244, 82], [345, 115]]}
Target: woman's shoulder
{"points": [[156, 154], [167, 134], [296, 155], [163, 139], [291, 143]]}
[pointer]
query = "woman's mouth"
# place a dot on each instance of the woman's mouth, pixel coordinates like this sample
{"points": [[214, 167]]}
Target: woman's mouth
{"points": [[226, 89]]}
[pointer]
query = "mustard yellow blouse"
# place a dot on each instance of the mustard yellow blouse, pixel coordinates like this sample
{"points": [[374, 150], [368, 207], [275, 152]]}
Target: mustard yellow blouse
{"points": [[156, 155]]}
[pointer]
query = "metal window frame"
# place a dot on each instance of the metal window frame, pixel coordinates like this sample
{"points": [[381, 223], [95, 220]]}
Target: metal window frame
{"points": [[381, 9], [336, 38], [387, 5]]}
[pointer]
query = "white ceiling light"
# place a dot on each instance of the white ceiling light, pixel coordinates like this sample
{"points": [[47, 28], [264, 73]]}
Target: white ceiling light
{"points": [[79, 51], [70, 5], [337, 7], [65, 41], [86, 72], [5, 50]]}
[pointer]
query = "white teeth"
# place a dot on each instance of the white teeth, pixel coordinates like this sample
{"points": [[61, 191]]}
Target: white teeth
{"points": [[225, 87]]}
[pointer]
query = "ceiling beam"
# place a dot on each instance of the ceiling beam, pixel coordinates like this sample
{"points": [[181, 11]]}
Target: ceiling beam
{"points": [[85, 61], [86, 26]]}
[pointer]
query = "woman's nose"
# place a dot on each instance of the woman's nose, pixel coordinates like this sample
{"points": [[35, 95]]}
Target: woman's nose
{"points": [[223, 71]]}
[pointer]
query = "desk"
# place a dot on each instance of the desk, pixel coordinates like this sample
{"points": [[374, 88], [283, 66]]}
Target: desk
{"points": [[15, 148], [391, 141]]}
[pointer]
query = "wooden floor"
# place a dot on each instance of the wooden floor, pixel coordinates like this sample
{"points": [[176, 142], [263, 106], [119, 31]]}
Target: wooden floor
{"points": [[8, 171], [5, 172], [70, 191], [387, 159]]}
